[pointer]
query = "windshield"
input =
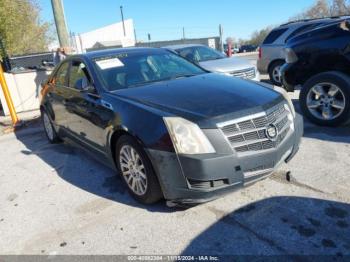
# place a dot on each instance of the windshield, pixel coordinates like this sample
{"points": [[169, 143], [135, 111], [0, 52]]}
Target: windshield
{"points": [[134, 69], [200, 53]]}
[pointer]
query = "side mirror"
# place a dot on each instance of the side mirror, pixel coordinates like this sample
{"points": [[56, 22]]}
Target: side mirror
{"points": [[83, 85], [347, 23], [89, 89]]}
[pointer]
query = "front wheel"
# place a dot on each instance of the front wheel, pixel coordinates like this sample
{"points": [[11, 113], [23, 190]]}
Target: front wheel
{"points": [[325, 99], [136, 170]]}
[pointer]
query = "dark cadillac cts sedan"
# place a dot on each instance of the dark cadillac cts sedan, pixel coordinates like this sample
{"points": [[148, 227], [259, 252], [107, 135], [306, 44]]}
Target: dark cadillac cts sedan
{"points": [[171, 129]]}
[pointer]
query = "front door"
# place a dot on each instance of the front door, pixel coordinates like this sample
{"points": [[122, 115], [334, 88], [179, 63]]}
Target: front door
{"points": [[87, 118], [57, 94]]}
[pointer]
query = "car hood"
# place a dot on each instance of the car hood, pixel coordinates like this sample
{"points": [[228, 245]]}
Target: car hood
{"points": [[204, 98], [226, 65]]}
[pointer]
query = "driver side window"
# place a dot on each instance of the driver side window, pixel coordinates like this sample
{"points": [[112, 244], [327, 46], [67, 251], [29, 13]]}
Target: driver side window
{"points": [[61, 75], [79, 77]]}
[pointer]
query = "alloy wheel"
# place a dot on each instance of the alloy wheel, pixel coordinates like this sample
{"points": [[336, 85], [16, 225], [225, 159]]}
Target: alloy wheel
{"points": [[325, 101], [133, 170], [276, 74]]}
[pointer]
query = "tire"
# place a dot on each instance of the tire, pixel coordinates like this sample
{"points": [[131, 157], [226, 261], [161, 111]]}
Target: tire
{"points": [[146, 188], [273, 68], [325, 99], [50, 131]]}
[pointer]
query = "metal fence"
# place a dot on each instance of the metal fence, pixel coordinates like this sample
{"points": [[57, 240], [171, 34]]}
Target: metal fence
{"points": [[38, 61]]}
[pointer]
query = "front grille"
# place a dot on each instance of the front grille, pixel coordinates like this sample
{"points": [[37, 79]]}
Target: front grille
{"points": [[246, 73], [249, 135]]}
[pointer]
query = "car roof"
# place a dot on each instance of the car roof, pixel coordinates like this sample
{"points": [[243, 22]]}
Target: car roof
{"points": [[290, 27], [175, 47], [116, 51], [312, 21]]}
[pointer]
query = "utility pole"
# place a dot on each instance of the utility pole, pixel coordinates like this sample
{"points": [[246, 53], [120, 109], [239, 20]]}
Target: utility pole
{"points": [[60, 22], [135, 36], [121, 12], [221, 40], [149, 39]]}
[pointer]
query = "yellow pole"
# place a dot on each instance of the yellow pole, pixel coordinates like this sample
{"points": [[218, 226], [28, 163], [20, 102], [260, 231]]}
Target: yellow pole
{"points": [[8, 98]]}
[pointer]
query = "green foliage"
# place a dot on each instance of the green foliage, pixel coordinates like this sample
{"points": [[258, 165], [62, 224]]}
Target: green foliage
{"points": [[258, 36], [21, 30]]}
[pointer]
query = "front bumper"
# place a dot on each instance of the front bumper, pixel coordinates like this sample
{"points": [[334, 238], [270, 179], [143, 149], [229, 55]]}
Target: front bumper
{"points": [[201, 178], [289, 77], [262, 66]]}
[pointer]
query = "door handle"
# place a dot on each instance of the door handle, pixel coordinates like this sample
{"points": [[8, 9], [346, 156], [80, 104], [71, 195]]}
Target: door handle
{"points": [[106, 105]]}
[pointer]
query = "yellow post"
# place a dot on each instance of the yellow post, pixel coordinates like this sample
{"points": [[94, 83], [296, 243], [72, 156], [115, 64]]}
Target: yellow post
{"points": [[8, 98]]}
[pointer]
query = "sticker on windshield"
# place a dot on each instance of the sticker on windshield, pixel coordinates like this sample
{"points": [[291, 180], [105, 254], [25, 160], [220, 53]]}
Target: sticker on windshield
{"points": [[109, 63]]}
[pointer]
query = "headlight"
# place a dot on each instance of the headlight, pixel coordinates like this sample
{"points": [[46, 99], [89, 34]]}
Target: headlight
{"points": [[286, 96], [187, 137], [290, 56], [289, 107]]}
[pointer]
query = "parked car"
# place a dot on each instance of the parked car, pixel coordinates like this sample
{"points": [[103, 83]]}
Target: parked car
{"points": [[271, 55], [215, 61], [234, 49], [319, 61], [171, 129], [247, 48]]}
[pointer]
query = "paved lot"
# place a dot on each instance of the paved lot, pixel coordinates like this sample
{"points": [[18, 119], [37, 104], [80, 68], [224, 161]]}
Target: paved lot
{"points": [[55, 199]]}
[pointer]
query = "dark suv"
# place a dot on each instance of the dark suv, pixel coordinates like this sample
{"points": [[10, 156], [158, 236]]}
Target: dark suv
{"points": [[271, 56], [318, 60]]}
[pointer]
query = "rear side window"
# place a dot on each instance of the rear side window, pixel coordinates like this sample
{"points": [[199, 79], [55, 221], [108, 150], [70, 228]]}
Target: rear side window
{"points": [[272, 37], [302, 29]]}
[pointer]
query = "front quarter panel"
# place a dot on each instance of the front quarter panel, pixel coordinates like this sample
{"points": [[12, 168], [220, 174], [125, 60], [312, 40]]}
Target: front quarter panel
{"points": [[142, 122]]}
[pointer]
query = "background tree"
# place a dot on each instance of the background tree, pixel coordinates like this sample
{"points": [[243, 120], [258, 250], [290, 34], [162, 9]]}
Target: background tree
{"points": [[258, 36], [21, 30], [230, 40], [241, 42], [320, 9], [340, 7], [324, 8]]}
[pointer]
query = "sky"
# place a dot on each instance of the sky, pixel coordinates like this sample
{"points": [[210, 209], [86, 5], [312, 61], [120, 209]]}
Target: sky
{"points": [[164, 19]]}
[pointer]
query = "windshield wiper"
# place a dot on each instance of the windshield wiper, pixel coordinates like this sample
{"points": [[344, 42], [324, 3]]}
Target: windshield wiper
{"points": [[163, 79], [149, 82], [182, 76]]}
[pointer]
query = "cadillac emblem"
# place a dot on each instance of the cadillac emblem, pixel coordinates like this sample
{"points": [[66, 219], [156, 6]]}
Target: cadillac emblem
{"points": [[271, 132]]}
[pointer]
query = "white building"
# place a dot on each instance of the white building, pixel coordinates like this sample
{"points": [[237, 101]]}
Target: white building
{"points": [[105, 37]]}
